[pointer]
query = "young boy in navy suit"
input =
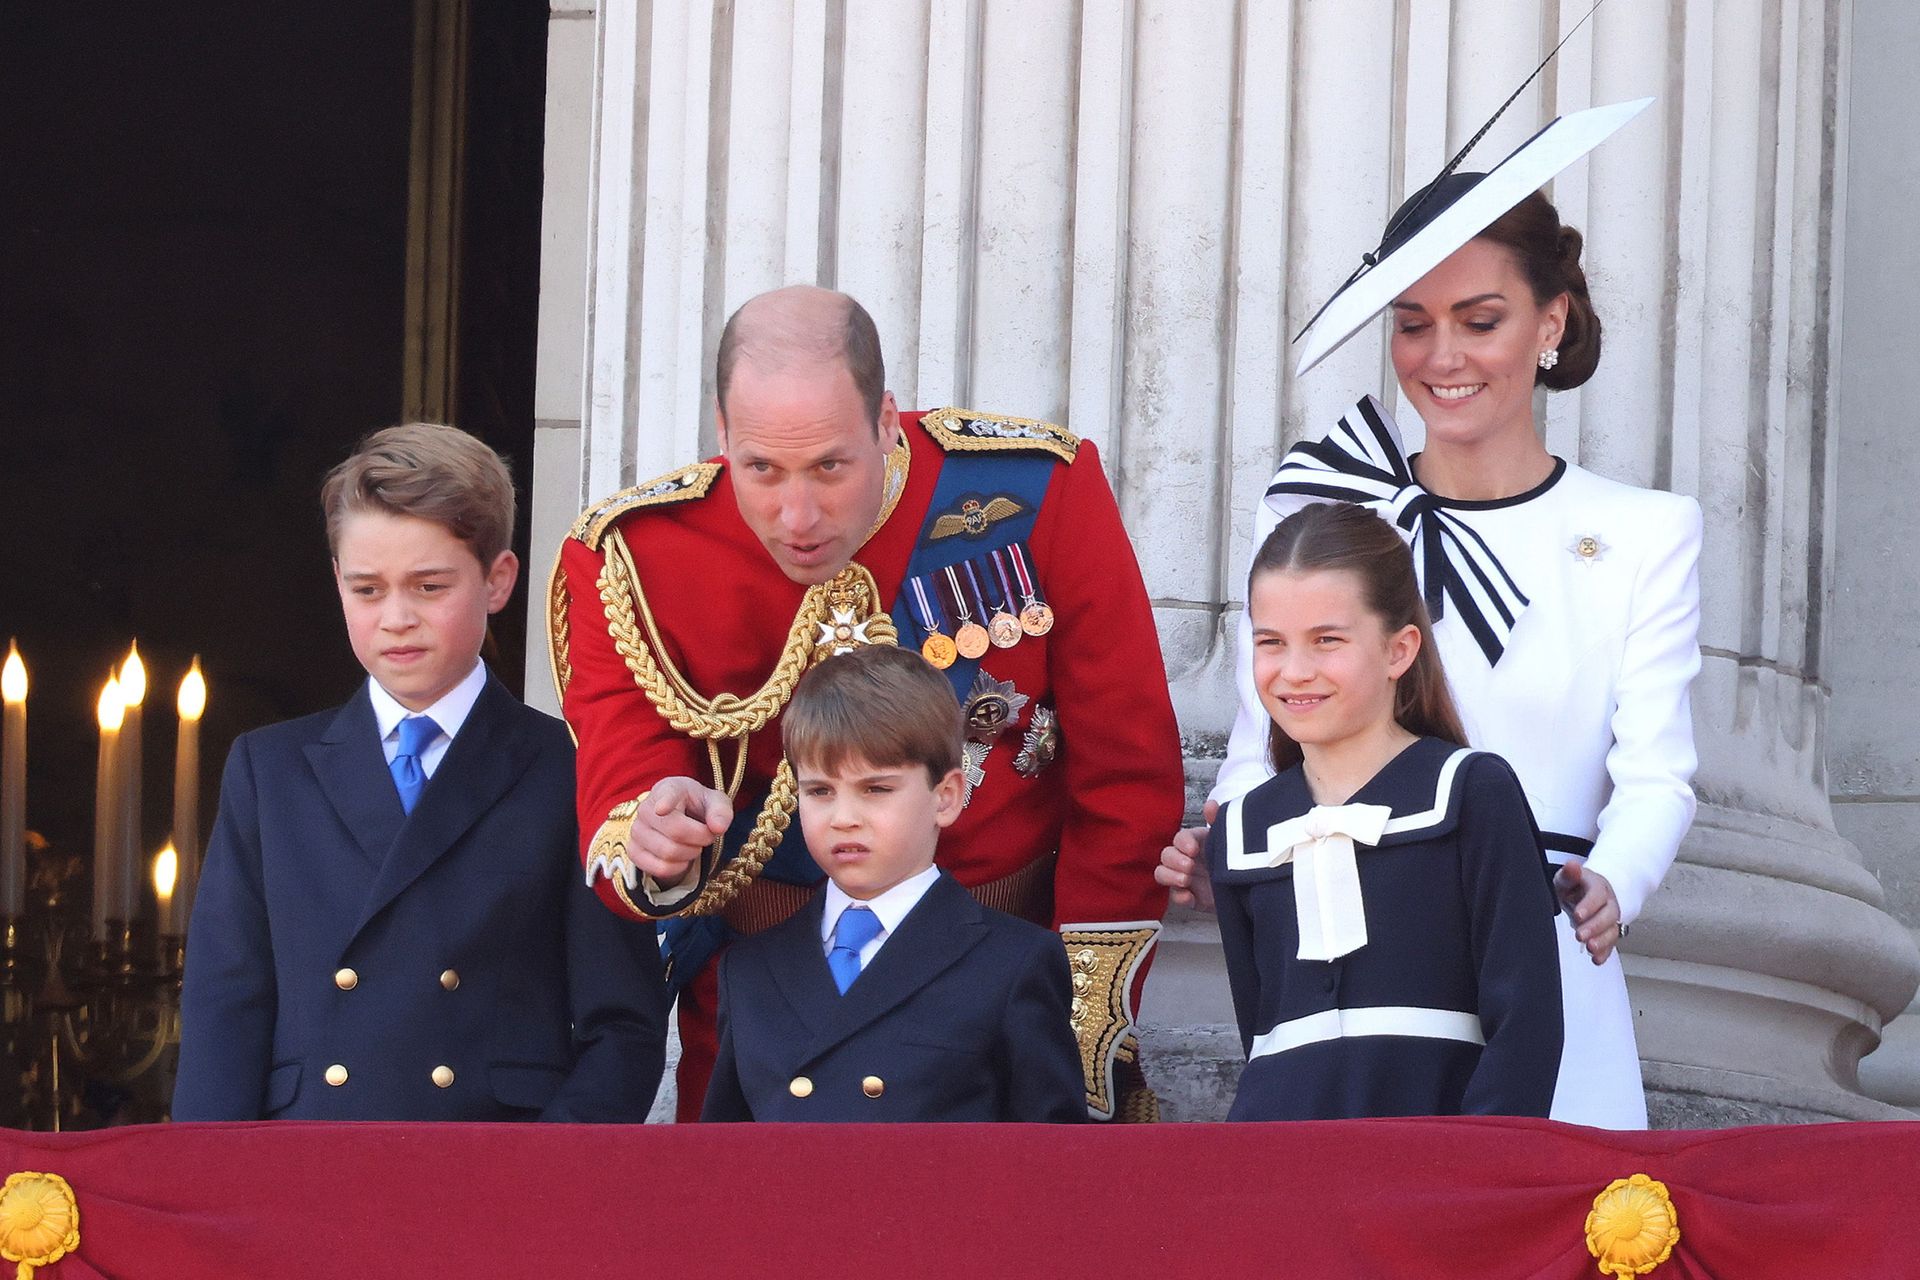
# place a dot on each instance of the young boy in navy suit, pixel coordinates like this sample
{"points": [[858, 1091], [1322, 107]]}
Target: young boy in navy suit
{"points": [[391, 923], [892, 995]]}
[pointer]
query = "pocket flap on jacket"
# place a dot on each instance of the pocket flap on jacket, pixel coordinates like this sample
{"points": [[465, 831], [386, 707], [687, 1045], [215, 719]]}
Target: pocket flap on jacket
{"points": [[525, 1084], [282, 1083]]}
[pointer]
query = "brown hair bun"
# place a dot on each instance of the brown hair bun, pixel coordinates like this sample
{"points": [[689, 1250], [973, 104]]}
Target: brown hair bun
{"points": [[1549, 256]]}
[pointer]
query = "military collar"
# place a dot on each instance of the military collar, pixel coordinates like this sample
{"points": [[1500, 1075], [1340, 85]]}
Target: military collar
{"points": [[899, 461]]}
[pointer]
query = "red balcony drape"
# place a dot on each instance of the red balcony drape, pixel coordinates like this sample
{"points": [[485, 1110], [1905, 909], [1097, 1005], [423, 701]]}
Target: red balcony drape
{"points": [[1382, 1198]]}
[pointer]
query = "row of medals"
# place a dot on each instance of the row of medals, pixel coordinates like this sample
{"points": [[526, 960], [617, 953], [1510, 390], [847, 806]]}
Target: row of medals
{"points": [[970, 640]]}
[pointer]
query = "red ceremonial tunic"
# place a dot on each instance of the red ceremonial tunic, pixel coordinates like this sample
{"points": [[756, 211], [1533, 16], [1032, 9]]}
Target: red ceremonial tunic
{"points": [[1106, 805]]}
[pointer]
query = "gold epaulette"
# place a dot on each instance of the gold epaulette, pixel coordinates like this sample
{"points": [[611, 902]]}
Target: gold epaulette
{"points": [[684, 485], [970, 431]]}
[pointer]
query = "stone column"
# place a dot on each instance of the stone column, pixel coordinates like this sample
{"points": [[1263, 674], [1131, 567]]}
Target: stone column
{"points": [[1766, 965], [559, 383], [1875, 752], [1117, 215]]}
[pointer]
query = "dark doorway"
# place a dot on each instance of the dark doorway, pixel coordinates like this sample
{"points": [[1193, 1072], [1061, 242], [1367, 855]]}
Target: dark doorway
{"points": [[203, 259]]}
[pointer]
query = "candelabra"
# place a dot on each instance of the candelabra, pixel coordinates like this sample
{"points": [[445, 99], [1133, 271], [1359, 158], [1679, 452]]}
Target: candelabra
{"points": [[89, 1026]]}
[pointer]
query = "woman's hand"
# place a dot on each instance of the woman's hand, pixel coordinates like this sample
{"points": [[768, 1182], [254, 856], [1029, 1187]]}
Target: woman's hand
{"points": [[1589, 899], [1180, 869]]}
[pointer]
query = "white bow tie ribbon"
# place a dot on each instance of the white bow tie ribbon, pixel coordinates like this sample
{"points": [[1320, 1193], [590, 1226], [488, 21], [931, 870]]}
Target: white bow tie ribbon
{"points": [[1326, 874], [1363, 461]]}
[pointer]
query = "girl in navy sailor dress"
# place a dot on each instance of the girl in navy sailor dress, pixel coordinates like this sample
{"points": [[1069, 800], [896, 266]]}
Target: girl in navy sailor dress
{"points": [[1385, 907]]}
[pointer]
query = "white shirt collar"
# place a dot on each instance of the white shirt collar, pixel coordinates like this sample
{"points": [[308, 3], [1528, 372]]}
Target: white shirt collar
{"points": [[449, 713], [891, 906]]}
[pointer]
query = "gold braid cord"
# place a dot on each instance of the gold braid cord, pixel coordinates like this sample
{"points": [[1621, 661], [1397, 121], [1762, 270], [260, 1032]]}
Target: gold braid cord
{"points": [[1103, 959], [559, 629], [834, 616]]}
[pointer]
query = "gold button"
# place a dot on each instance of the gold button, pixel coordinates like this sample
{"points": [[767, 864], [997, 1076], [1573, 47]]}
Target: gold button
{"points": [[443, 1076], [345, 979], [873, 1086], [800, 1087], [336, 1075], [449, 979]]}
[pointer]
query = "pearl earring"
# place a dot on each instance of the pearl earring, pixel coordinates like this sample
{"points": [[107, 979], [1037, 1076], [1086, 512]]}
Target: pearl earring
{"points": [[1549, 358]]}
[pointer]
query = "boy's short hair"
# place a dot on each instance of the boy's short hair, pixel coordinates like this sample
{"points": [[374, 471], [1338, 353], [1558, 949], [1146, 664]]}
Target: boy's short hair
{"points": [[430, 472], [881, 704]]}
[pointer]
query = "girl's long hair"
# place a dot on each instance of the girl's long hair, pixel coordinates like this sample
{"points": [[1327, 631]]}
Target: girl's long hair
{"points": [[1339, 535]]}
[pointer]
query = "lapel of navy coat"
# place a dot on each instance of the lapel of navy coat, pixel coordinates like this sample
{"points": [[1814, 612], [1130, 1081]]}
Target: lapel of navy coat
{"points": [[347, 960], [963, 1014]]}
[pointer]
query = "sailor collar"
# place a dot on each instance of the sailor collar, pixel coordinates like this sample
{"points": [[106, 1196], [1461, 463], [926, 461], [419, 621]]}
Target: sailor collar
{"points": [[1420, 789]]}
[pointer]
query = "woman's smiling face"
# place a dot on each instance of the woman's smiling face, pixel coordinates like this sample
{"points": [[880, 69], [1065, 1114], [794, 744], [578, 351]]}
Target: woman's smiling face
{"points": [[1467, 338]]}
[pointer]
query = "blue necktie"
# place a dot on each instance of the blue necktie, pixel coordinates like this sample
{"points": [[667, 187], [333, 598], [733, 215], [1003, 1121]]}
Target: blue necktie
{"points": [[408, 777], [856, 927]]}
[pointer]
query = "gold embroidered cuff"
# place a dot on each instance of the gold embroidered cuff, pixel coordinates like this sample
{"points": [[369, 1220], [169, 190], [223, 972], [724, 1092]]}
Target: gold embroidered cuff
{"points": [[1103, 959], [607, 854]]}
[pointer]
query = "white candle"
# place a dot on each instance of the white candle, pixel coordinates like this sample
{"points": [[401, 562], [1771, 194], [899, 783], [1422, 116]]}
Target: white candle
{"points": [[13, 786], [192, 703], [166, 871], [125, 880], [106, 802]]}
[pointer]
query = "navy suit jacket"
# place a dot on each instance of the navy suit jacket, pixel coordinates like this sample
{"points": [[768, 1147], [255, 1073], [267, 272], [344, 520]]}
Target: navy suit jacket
{"points": [[333, 934], [963, 1014]]}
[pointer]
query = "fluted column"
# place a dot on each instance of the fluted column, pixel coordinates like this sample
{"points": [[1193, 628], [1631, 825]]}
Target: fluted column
{"points": [[1874, 758], [1766, 966], [1117, 215]]}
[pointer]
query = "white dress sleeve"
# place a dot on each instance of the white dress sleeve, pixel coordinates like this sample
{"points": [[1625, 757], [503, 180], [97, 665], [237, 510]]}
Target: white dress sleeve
{"points": [[1652, 760]]}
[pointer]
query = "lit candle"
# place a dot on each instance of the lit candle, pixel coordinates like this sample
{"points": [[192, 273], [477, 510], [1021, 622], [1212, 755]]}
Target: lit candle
{"points": [[106, 802], [192, 703], [166, 870], [13, 786], [125, 880]]}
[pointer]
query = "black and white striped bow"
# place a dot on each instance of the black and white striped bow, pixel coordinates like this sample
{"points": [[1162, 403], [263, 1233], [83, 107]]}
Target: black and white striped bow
{"points": [[1362, 461]]}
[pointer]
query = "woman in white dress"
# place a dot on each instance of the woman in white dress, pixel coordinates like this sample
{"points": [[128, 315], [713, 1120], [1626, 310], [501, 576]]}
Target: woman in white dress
{"points": [[1566, 605]]}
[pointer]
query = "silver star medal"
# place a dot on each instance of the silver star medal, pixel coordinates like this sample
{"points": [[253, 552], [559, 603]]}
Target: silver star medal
{"points": [[1587, 548], [991, 706], [973, 769], [843, 633], [1042, 744]]}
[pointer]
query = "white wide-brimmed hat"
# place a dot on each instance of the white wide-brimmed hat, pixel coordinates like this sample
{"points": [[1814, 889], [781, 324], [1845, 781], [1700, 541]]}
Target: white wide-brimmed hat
{"points": [[1448, 212]]}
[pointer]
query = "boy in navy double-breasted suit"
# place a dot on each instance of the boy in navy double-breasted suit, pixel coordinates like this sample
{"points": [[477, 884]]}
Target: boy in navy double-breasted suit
{"points": [[390, 923], [893, 995]]}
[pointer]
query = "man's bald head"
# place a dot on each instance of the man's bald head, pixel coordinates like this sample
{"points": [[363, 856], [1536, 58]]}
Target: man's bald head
{"points": [[804, 327]]}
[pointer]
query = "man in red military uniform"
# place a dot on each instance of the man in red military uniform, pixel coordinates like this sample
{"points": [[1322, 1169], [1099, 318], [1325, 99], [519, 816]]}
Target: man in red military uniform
{"points": [[683, 611]]}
